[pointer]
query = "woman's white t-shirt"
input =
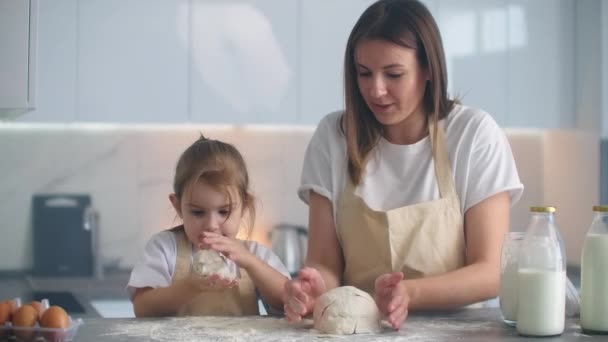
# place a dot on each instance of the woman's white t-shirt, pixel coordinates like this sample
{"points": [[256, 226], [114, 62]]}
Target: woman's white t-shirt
{"points": [[157, 265], [399, 175]]}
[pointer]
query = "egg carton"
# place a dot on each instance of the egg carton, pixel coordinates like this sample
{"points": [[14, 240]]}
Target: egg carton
{"points": [[37, 333]]}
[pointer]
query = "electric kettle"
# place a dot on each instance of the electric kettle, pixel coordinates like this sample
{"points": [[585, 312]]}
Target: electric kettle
{"points": [[289, 242]]}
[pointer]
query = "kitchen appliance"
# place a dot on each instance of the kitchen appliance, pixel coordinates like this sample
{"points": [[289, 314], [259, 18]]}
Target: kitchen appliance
{"points": [[289, 242], [65, 235], [64, 299]]}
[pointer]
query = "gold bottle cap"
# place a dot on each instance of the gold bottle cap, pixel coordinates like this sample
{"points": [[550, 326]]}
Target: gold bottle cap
{"points": [[600, 208], [543, 209]]}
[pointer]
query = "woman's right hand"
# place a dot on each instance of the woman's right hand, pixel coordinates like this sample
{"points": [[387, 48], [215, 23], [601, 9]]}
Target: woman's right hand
{"points": [[301, 294]]}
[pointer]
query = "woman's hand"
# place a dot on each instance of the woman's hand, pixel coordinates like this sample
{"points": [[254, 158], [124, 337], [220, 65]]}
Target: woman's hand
{"points": [[301, 294], [392, 298], [233, 249]]}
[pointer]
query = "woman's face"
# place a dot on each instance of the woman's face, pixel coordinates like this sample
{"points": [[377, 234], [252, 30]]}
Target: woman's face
{"points": [[203, 208], [391, 81]]}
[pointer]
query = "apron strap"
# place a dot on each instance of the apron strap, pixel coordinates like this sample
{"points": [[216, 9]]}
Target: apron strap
{"points": [[443, 168], [183, 258]]}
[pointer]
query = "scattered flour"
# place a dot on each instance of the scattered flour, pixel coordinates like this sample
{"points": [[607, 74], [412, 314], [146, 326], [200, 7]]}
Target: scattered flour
{"points": [[265, 329]]}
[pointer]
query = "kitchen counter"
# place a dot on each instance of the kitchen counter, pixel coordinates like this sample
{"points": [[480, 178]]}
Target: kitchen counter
{"points": [[464, 325], [83, 290]]}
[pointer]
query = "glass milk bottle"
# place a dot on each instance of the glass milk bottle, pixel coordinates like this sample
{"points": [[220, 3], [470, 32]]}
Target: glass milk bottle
{"points": [[508, 276], [594, 274], [541, 274]]}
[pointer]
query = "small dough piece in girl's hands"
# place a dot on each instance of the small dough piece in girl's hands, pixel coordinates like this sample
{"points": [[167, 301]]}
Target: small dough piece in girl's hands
{"points": [[346, 310], [207, 262]]}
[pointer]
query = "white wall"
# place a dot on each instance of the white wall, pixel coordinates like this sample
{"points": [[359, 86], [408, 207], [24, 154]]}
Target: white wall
{"points": [[588, 66], [604, 67]]}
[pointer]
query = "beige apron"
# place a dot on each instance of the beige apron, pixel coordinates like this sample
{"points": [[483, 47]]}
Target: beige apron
{"points": [[419, 240], [240, 300]]}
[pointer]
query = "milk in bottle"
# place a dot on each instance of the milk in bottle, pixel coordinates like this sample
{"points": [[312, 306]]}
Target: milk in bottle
{"points": [[594, 274], [541, 277]]}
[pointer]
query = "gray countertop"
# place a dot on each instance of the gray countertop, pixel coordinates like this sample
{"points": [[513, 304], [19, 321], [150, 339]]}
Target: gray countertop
{"points": [[83, 289], [463, 325]]}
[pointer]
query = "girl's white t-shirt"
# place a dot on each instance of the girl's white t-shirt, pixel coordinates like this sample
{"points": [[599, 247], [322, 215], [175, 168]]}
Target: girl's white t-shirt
{"points": [[399, 175], [157, 264]]}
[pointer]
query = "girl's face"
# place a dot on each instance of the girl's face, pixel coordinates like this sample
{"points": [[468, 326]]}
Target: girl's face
{"points": [[391, 82], [205, 209]]}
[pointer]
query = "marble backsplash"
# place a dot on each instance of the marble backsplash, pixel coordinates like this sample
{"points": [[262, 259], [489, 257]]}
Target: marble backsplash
{"points": [[128, 172]]}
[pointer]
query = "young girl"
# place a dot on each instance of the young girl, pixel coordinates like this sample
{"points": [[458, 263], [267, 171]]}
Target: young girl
{"points": [[212, 198]]}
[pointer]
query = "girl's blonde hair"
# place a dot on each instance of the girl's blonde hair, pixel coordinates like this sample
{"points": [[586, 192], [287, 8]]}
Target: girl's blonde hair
{"points": [[219, 165]]}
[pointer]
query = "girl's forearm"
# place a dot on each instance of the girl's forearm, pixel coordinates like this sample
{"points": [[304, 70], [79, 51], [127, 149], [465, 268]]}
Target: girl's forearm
{"points": [[270, 282], [163, 301], [470, 284]]}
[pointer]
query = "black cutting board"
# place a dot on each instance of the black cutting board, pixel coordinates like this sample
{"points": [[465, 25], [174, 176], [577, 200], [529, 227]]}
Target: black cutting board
{"points": [[62, 243]]}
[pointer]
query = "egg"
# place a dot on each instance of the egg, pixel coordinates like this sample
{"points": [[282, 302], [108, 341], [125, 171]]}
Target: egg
{"points": [[38, 306], [55, 317], [12, 305], [5, 312], [5, 316], [25, 316]]}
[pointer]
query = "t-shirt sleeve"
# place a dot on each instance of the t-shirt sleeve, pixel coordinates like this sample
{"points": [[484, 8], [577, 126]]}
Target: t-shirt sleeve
{"points": [[492, 166], [155, 266], [316, 170]]}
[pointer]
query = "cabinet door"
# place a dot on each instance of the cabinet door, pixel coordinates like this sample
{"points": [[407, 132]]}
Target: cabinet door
{"points": [[56, 70], [541, 70], [324, 30], [476, 40], [132, 61], [325, 27], [243, 61], [17, 60]]}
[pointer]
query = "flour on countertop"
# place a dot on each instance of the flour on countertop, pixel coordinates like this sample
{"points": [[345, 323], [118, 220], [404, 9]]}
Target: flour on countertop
{"points": [[265, 329]]}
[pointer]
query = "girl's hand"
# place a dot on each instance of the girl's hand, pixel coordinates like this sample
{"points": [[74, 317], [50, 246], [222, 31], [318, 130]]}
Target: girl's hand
{"points": [[301, 294], [233, 249], [212, 282], [392, 298]]}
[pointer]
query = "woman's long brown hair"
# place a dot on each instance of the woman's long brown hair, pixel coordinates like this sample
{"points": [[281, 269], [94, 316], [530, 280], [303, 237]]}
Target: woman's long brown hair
{"points": [[407, 23]]}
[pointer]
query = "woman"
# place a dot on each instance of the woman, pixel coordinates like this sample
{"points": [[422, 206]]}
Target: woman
{"points": [[409, 192]]}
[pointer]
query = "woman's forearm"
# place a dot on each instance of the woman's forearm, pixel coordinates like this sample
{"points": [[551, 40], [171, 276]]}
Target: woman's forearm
{"points": [[331, 279], [470, 284]]}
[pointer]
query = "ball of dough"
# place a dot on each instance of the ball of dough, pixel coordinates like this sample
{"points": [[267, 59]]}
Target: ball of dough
{"points": [[346, 310], [207, 262]]}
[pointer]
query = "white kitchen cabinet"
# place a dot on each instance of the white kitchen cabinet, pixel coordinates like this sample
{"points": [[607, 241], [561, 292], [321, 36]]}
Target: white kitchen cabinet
{"points": [[325, 27], [541, 81], [57, 60], [132, 61], [18, 38], [244, 61], [476, 41]]}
